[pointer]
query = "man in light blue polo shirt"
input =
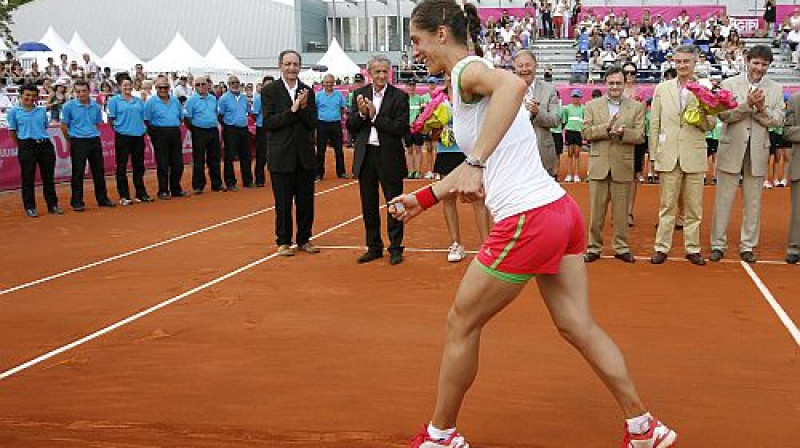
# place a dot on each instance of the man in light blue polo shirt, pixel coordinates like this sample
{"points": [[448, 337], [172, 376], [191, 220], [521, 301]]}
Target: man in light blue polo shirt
{"points": [[126, 116], [27, 127], [163, 114], [79, 119], [261, 135], [233, 110], [201, 118], [330, 106]]}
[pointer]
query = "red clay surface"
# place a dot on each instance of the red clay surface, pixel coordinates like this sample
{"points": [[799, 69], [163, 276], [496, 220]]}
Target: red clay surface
{"points": [[317, 351]]}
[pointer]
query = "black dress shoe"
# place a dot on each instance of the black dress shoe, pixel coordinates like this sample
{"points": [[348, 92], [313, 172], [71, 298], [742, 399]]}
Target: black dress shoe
{"points": [[716, 255], [696, 259], [233, 188], [55, 210], [395, 258], [163, 196], [78, 207], [369, 256], [627, 257], [658, 258], [106, 203], [748, 256], [591, 257], [31, 213], [180, 194], [792, 258], [145, 198], [198, 191]]}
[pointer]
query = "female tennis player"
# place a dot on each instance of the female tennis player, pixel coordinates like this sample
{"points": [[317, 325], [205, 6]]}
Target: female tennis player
{"points": [[538, 232]]}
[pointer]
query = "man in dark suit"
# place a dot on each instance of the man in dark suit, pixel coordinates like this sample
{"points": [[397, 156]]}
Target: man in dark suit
{"points": [[290, 117], [379, 120]]}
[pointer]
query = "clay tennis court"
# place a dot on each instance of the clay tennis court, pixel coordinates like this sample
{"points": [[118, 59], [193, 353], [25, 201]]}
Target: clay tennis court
{"points": [[234, 347]]}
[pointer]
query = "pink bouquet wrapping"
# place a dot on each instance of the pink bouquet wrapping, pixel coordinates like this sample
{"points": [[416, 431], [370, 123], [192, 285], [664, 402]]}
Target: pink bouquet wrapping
{"points": [[709, 102], [427, 120]]}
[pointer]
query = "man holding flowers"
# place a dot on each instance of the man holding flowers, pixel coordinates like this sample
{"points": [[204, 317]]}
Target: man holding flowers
{"points": [[744, 149], [678, 146]]}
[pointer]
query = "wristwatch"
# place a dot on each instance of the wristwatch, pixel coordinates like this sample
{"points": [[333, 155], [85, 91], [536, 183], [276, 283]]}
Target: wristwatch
{"points": [[474, 161]]}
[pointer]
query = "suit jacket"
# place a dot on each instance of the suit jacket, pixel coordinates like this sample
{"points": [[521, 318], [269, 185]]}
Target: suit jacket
{"points": [[549, 116], [791, 132], [607, 155], [672, 140], [291, 134], [743, 123], [391, 122]]}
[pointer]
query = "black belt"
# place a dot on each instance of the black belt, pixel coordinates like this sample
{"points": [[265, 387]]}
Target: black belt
{"points": [[373, 146], [241, 128], [36, 141], [329, 122]]}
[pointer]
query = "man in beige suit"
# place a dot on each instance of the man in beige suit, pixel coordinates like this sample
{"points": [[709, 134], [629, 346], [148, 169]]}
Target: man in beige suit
{"points": [[542, 103], [791, 132], [744, 150], [679, 151], [613, 124]]}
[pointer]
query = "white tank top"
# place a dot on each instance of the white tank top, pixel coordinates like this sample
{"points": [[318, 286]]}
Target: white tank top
{"points": [[514, 178]]}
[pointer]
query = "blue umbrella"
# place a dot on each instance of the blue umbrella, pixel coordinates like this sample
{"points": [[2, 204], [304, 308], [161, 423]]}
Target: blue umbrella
{"points": [[33, 46]]}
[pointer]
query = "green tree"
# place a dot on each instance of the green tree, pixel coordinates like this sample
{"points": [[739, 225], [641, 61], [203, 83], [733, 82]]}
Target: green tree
{"points": [[7, 7]]}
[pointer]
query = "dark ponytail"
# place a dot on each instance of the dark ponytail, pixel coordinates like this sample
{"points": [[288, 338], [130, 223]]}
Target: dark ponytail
{"points": [[464, 24]]}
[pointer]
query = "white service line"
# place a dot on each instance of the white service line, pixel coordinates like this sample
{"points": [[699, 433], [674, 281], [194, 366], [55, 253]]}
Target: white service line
{"points": [[155, 308], [152, 246], [776, 307]]}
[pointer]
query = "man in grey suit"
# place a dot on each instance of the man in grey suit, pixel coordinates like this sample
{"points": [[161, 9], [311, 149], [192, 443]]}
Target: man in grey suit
{"points": [[791, 132], [542, 103], [744, 150]]}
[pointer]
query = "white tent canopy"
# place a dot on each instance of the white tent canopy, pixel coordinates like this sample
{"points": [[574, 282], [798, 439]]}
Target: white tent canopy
{"points": [[219, 57], [338, 63], [79, 46], [58, 46], [119, 57], [178, 55]]}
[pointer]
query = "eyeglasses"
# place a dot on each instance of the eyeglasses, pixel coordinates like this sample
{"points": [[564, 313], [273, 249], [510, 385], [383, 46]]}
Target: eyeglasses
{"points": [[630, 72], [162, 87]]}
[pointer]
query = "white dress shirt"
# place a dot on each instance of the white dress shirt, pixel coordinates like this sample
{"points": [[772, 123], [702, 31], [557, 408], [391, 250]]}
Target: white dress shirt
{"points": [[377, 100], [292, 90]]}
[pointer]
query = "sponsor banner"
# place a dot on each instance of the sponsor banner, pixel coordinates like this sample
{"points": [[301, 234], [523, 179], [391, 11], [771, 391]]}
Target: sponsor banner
{"points": [[747, 26]]}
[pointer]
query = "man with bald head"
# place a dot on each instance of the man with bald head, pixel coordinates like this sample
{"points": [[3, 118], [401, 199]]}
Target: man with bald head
{"points": [[233, 111], [330, 105]]}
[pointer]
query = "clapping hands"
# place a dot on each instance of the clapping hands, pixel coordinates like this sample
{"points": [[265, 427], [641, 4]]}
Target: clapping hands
{"points": [[301, 102]]}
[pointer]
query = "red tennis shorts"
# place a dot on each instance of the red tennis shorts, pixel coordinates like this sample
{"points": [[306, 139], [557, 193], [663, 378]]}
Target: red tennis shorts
{"points": [[534, 242]]}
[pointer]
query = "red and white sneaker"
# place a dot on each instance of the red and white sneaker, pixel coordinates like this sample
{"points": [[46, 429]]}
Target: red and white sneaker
{"points": [[658, 436], [423, 440]]}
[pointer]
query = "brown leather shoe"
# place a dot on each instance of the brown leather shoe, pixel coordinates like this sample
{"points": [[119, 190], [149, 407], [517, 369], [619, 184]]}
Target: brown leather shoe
{"points": [[627, 257], [285, 250], [748, 256], [591, 257], [658, 258], [309, 248], [696, 259]]}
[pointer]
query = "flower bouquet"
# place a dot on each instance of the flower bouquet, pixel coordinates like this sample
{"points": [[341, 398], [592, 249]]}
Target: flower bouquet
{"points": [[436, 115], [710, 101]]}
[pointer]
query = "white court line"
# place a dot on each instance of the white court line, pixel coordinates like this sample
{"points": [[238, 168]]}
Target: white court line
{"points": [[154, 308], [606, 257], [776, 307], [152, 246]]}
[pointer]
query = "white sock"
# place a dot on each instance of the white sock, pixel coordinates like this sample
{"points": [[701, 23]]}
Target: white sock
{"points": [[439, 434], [640, 424]]}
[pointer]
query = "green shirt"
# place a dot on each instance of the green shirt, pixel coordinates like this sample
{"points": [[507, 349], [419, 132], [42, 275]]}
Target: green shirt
{"points": [[416, 104], [715, 133], [572, 117]]}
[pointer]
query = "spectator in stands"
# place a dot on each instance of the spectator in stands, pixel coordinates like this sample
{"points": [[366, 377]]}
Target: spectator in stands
{"points": [[580, 70], [63, 67], [560, 10], [27, 126], [182, 90], [56, 100], [34, 76], [52, 69], [89, 66], [703, 67], [138, 73], [79, 120], [546, 11], [769, 17]]}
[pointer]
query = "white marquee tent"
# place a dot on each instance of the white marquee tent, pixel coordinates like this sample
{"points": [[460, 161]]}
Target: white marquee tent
{"points": [[58, 46], [79, 46], [178, 56], [220, 58], [119, 57], [337, 63]]}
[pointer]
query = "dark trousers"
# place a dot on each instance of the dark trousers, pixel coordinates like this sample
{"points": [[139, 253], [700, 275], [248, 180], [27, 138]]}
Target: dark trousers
{"points": [[30, 154], [205, 151], [82, 150], [237, 143], [329, 131], [168, 149], [368, 181], [129, 147], [261, 155], [297, 187]]}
